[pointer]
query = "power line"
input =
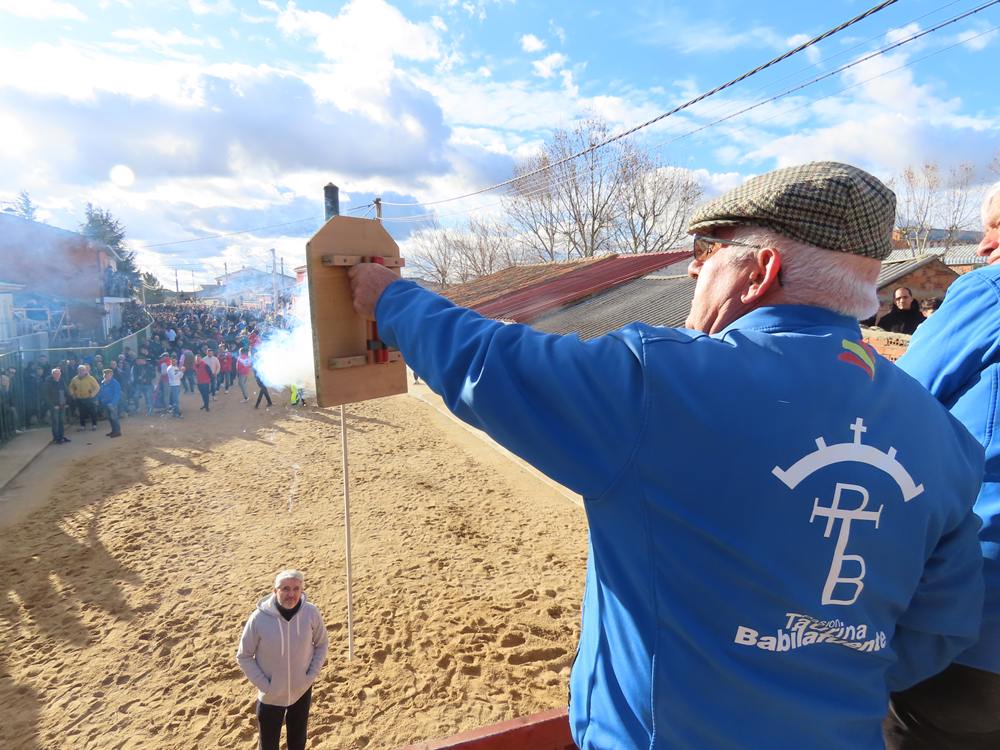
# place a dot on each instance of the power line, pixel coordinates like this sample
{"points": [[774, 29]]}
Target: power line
{"points": [[426, 216], [675, 110], [866, 58], [229, 234], [817, 79]]}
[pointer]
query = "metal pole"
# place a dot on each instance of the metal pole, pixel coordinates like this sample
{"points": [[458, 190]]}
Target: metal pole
{"points": [[347, 537], [378, 209], [177, 284], [274, 282]]}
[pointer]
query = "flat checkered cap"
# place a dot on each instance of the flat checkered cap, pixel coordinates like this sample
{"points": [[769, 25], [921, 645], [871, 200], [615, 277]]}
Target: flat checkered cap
{"points": [[823, 203]]}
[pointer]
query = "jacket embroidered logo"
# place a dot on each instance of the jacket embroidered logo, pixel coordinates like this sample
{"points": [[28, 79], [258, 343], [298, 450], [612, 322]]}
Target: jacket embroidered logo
{"points": [[828, 455]]}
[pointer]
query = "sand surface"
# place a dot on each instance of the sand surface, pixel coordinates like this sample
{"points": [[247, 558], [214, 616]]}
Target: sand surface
{"points": [[130, 566]]}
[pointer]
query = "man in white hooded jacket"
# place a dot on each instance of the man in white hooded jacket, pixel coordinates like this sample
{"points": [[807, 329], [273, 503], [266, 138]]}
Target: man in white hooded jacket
{"points": [[281, 651]]}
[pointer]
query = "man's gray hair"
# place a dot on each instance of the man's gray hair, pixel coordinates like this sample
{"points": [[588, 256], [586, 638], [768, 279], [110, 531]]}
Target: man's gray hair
{"points": [[290, 573], [810, 275], [993, 192]]}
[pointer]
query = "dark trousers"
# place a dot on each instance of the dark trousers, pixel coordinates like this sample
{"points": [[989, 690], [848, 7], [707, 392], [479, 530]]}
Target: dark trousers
{"points": [[262, 394], [88, 410], [214, 383], [58, 427], [204, 389], [116, 427], [295, 718], [958, 709]]}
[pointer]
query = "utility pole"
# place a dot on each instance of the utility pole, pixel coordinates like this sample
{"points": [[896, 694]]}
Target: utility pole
{"points": [[274, 281], [177, 284], [378, 209]]}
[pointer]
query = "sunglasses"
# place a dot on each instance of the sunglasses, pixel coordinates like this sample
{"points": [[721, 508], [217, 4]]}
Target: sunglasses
{"points": [[703, 246]]}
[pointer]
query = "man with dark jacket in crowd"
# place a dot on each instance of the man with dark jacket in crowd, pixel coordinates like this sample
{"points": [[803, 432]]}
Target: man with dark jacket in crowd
{"points": [[57, 396], [905, 315], [143, 374]]}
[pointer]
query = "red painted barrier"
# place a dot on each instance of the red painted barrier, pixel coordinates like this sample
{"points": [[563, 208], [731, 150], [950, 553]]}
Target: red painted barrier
{"points": [[545, 731]]}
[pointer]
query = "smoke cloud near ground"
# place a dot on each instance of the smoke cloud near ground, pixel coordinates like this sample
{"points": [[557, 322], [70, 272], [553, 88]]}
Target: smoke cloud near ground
{"points": [[286, 356]]}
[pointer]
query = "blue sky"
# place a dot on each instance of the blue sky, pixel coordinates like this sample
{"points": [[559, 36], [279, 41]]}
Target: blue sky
{"points": [[195, 117]]}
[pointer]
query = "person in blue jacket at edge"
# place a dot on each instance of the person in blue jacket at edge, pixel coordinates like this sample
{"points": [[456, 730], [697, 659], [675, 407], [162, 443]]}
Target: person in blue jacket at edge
{"points": [[780, 520], [957, 358]]}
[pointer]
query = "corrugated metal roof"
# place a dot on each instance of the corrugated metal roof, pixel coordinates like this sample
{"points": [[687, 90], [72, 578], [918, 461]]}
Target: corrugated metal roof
{"points": [[485, 288], [892, 271], [659, 299], [956, 255], [527, 304]]}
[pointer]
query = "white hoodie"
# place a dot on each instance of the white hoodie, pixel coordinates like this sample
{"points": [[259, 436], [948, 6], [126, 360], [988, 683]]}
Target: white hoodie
{"points": [[282, 658]]}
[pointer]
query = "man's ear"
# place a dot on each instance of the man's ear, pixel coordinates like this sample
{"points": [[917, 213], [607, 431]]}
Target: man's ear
{"points": [[765, 276]]}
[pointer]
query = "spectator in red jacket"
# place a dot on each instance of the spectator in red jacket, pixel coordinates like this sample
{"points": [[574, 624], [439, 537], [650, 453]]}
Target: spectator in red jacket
{"points": [[227, 367], [203, 377]]}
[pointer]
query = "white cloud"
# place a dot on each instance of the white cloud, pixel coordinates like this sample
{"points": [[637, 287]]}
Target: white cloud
{"points": [[571, 89], [690, 34], [549, 65], [80, 72], [438, 23], [531, 43], [557, 31], [978, 39], [362, 44], [206, 7], [42, 10], [892, 36], [163, 42], [812, 53]]}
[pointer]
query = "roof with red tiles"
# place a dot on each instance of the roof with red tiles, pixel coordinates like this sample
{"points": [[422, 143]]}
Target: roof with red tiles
{"points": [[485, 288], [529, 302]]}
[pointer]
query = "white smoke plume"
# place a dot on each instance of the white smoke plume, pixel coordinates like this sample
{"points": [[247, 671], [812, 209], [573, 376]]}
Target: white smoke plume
{"points": [[285, 357]]}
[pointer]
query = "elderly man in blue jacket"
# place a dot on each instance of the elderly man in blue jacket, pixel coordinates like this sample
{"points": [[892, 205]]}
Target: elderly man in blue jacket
{"points": [[774, 540], [956, 355], [110, 397]]}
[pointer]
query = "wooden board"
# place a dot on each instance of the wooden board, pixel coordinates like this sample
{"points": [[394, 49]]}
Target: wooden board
{"points": [[338, 332]]}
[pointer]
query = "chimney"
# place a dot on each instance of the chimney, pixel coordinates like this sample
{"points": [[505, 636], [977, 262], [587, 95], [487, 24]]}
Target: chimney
{"points": [[331, 200]]}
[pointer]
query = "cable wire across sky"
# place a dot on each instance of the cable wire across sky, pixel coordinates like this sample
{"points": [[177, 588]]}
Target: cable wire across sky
{"points": [[624, 134], [780, 58]]}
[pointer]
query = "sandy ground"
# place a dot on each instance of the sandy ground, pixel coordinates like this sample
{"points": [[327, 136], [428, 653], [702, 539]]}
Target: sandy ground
{"points": [[130, 566]]}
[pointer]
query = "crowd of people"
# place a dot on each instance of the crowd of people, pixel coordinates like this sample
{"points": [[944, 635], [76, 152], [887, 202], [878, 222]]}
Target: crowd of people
{"points": [[191, 349]]}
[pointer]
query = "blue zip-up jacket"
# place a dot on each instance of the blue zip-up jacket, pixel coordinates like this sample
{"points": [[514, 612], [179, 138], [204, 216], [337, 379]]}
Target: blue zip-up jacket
{"points": [[955, 354], [780, 523], [110, 393]]}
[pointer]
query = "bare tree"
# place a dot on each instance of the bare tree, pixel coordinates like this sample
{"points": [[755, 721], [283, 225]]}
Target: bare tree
{"points": [[932, 200], [532, 207], [432, 254], [656, 203], [956, 209], [588, 187], [915, 218], [484, 246]]}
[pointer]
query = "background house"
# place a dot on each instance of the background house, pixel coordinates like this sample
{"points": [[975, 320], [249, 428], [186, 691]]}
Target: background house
{"points": [[65, 279]]}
